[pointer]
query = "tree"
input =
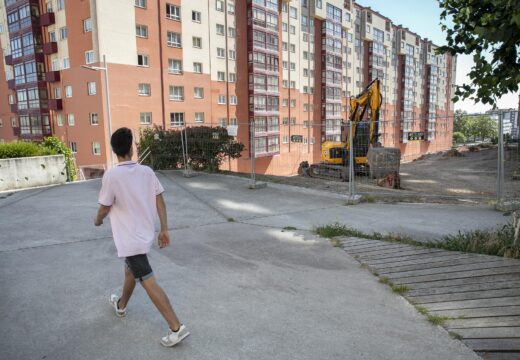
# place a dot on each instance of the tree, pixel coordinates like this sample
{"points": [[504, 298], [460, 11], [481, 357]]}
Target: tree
{"points": [[460, 122], [480, 28], [459, 138]]}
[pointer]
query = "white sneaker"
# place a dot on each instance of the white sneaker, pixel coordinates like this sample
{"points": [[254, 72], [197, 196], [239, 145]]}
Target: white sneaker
{"points": [[173, 338], [113, 301]]}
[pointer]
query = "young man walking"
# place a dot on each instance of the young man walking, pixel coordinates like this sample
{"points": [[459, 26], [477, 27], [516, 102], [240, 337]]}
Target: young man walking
{"points": [[131, 195]]}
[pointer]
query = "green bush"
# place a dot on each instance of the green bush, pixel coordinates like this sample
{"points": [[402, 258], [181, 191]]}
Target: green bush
{"points": [[50, 146], [54, 144], [207, 148], [17, 149], [459, 138]]}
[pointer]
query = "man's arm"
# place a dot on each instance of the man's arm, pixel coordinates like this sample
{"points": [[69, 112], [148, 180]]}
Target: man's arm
{"points": [[101, 214], [164, 237]]}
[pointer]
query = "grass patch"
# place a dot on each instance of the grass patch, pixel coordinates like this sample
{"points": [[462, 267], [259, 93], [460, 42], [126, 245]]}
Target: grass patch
{"points": [[436, 319], [230, 219], [368, 199], [499, 241], [384, 280], [421, 310], [399, 288], [454, 335], [289, 228]]}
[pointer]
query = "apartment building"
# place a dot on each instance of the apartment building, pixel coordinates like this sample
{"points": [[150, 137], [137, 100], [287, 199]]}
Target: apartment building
{"points": [[289, 66]]}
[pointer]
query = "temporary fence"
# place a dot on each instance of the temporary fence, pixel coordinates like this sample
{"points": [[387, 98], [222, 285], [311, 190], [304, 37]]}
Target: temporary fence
{"points": [[413, 158]]}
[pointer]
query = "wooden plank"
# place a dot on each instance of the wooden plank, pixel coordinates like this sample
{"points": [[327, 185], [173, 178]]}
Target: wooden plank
{"points": [[432, 260], [422, 257], [353, 240], [499, 355], [504, 344], [471, 304], [459, 275], [470, 295], [454, 268], [437, 264], [366, 243], [379, 249], [399, 255], [496, 285], [483, 322], [465, 281], [480, 312], [489, 333]]}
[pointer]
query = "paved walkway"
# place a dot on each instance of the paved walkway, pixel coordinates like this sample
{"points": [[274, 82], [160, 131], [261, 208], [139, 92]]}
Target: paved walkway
{"points": [[246, 288], [479, 295]]}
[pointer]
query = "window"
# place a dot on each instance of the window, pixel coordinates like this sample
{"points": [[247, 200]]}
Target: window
{"points": [[174, 39], [198, 93], [176, 119], [94, 119], [221, 99], [66, 63], [52, 36], [73, 146], [141, 31], [57, 93], [219, 5], [145, 118], [144, 90], [68, 91], [177, 93], [59, 119], [61, 4], [293, 12], [292, 29], [232, 77], [70, 119], [173, 12], [10, 99], [174, 66], [284, 27], [221, 76], [231, 9], [293, 48], [87, 25], [221, 52], [96, 148], [63, 33], [197, 67], [220, 29], [1, 123], [231, 32], [293, 103], [285, 102], [199, 117], [142, 60], [195, 16], [91, 88], [89, 57], [140, 3], [233, 99], [197, 42]]}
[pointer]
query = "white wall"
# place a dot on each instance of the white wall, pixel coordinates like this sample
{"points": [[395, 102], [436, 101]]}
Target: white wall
{"points": [[20, 173]]}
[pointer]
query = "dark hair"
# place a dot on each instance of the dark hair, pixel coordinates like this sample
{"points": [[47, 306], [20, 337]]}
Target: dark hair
{"points": [[121, 141]]}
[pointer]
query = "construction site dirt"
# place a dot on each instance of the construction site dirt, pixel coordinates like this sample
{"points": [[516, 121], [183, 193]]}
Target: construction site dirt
{"points": [[467, 175]]}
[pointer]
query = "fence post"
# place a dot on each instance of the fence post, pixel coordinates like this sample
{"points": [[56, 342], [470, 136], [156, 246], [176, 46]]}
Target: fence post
{"points": [[500, 157], [253, 184], [352, 197]]}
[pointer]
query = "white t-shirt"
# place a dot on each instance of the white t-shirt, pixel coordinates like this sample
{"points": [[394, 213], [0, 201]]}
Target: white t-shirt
{"points": [[131, 189]]}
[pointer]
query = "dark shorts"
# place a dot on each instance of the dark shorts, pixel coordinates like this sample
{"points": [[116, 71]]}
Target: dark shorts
{"points": [[139, 266]]}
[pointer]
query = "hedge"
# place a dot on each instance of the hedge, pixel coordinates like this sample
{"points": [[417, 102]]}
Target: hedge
{"points": [[18, 149]]}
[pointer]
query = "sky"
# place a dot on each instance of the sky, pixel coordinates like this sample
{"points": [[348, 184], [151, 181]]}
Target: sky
{"points": [[424, 20]]}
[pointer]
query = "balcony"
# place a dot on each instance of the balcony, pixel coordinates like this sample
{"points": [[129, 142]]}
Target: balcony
{"points": [[11, 85], [9, 59], [47, 19], [52, 76], [14, 108], [50, 48], [55, 104]]}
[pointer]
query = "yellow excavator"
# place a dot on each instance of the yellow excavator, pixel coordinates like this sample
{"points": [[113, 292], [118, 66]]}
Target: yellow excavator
{"points": [[365, 133]]}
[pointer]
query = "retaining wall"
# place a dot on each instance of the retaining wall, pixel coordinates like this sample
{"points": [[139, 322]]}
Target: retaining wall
{"points": [[20, 173]]}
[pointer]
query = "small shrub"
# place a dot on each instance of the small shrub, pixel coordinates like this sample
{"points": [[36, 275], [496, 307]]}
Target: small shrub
{"points": [[399, 288], [18, 149]]}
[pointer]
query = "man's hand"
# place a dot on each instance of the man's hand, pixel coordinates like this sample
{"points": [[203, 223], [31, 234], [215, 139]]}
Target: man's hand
{"points": [[101, 214], [98, 221], [163, 239]]}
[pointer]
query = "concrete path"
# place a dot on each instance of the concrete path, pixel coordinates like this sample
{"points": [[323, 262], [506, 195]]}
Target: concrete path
{"points": [[478, 295], [245, 288]]}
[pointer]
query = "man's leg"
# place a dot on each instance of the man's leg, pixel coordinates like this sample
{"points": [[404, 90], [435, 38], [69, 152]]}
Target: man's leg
{"points": [[128, 289], [161, 302]]}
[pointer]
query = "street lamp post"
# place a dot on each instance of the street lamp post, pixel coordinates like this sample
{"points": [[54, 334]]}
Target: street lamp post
{"points": [[109, 117]]}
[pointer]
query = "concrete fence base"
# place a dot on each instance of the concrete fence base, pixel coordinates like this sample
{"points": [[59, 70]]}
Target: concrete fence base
{"points": [[20, 173]]}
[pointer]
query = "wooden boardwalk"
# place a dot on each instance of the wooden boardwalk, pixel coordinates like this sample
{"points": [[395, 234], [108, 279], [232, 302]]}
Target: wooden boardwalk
{"points": [[478, 294]]}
